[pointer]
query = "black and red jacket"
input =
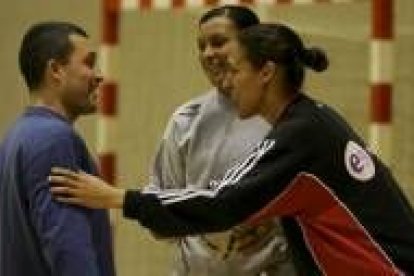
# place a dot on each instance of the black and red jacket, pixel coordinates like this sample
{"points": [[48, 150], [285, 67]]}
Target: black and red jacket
{"points": [[343, 212]]}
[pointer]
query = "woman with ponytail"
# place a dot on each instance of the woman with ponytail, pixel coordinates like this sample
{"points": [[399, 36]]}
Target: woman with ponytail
{"points": [[342, 209]]}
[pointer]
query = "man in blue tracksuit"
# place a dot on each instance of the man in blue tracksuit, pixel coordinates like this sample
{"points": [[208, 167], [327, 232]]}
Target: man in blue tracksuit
{"points": [[39, 236]]}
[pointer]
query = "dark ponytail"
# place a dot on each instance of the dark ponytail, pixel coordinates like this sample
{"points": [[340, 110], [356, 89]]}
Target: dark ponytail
{"points": [[315, 58]]}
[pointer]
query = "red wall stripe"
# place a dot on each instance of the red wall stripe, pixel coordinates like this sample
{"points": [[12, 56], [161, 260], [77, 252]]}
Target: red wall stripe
{"points": [[382, 19], [107, 167], [211, 2], [112, 5], [145, 4], [247, 2], [283, 1], [107, 99], [178, 4], [110, 21], [381, 103]]}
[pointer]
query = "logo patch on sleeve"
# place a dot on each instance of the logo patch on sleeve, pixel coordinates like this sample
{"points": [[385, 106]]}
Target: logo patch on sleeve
{"points": [[358, 162]]}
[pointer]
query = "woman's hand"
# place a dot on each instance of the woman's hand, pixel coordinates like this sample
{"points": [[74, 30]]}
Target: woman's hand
{"points": [[83, 189]]}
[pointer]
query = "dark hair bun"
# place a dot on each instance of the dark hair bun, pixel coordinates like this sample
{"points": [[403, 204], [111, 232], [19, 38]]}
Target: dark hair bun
{"points": [[316, 59]]}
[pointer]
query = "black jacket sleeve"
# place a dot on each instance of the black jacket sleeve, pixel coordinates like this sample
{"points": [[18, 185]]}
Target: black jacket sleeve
{"points": [[245, 189]]}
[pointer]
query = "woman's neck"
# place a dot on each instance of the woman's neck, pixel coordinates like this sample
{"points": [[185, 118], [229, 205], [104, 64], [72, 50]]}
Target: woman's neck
{"points": [[275, 105]]}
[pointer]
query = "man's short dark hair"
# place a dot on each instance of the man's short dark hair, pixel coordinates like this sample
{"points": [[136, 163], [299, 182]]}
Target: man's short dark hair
{"points": [[41, 43]]}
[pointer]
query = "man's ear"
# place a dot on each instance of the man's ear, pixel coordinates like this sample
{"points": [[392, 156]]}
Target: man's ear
{"points": [[54, 70], [268, 71]]}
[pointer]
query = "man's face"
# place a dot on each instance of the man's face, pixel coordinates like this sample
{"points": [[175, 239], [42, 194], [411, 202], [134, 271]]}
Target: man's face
{"points": [[80, 79], [216, 39]]}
